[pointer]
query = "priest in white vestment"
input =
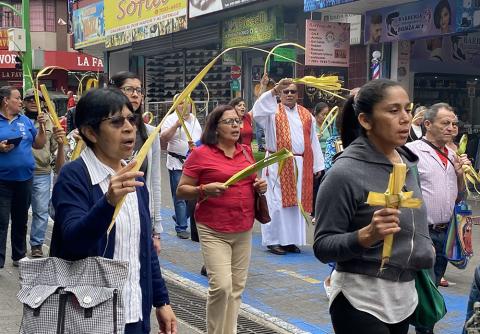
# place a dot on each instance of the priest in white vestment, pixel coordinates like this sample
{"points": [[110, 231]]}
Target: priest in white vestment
{"points": [[288, 125]]}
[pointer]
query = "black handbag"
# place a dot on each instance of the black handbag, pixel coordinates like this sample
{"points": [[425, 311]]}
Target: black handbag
{"points": [[261, 209], [261, 206]]}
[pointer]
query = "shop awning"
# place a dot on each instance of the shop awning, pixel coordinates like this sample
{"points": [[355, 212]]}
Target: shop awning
{"points": [[72, 61]]}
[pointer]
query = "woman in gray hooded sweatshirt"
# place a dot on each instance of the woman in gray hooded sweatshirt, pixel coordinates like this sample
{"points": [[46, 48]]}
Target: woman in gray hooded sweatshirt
{"points": [[374, 128]]}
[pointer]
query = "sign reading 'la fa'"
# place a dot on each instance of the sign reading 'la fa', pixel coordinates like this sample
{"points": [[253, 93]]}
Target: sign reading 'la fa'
{"points": [[84, 61]]}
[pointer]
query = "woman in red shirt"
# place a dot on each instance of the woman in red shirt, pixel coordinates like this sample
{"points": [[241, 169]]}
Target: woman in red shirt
{"points": [[224, 216], [246, 128]]}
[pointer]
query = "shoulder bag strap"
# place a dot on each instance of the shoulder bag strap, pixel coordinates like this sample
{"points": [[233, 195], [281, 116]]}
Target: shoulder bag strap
{"points": [[438, 150], [249, 159]]}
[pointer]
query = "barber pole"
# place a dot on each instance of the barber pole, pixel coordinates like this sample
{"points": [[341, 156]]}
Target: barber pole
{"points": [[376, 71], [376, 58]]}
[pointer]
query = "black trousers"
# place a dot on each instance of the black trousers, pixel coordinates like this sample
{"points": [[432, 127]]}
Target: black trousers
{"points": [[134, 328], [347, 320], [193, 225], [316, 184], [15, 199]]}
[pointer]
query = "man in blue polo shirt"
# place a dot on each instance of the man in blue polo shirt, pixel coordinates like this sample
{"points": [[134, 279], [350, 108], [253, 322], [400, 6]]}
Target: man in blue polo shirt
{"points": [[17, 137]]}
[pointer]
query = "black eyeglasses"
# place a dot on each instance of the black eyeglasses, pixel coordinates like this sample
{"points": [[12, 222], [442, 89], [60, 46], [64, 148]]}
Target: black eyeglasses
{"points": [[289, 91], [129, 90], [118, 121], [231, 121]]}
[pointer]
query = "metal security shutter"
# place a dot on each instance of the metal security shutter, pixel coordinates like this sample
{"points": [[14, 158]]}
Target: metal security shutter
{"points": [[187, 39]]}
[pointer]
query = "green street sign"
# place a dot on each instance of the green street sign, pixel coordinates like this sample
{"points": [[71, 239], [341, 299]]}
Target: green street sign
{"points": [[235, 85], [285, 52]]}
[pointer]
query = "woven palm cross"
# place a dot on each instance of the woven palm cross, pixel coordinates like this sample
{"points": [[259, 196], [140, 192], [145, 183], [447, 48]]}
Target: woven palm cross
{"points": [[394, 198]]}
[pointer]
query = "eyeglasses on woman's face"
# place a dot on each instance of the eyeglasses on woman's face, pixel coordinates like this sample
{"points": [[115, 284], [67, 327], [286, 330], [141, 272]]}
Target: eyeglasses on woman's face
{"points": [[118, 121], [231, 121], [129, 90]]}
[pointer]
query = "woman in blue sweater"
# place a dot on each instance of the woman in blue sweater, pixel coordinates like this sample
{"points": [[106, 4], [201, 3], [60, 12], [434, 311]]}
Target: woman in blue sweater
{"points": [[85, 196]]}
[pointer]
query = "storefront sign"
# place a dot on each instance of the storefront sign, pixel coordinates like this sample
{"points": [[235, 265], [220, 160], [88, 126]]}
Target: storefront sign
{"points": [[202, 7], [128, 21], [251, 29], [288, 54], [73, 61], [88, 25], [468, 14], [3, 39], [11, 75], [410, 21], [310, 5], [7, 59], [327, 43], [355, 24]]}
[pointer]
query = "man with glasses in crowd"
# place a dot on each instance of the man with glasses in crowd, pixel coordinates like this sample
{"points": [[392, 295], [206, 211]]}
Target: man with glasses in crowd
{"points": [[291, 126], [441, 180], [51, 152]]}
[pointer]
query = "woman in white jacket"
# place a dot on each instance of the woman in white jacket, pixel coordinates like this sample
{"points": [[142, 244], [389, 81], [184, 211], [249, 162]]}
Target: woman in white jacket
{"points": [[131, 85]]}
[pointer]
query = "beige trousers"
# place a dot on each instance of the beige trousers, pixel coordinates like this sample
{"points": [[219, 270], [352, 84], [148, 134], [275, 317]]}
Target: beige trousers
{"points": [[227, 257]]}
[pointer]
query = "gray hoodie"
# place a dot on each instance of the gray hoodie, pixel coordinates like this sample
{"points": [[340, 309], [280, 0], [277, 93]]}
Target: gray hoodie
{"points": [[342, 211]]}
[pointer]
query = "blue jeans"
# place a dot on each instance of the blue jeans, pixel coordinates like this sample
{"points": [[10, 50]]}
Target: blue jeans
{"points": [[259, 135], [439, 238], [180, 204], [40, 199], [474, 294]]}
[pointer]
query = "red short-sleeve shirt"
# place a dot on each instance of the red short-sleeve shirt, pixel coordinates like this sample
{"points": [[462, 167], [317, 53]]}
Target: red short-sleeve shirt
{"points": [[246, 131], [232, 212]]}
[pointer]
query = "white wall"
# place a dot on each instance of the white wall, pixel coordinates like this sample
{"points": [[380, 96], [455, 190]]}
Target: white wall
{"points": [[44, 40]]}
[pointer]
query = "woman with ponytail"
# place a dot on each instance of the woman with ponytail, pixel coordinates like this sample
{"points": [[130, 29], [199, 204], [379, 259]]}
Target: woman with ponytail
{"points": [[374, 128], [131, 86]]}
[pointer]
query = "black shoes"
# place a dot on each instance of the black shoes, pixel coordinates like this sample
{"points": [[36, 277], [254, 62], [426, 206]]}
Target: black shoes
{"points": [[276, 249], [282, 250], [203, 271], [292, 249]]}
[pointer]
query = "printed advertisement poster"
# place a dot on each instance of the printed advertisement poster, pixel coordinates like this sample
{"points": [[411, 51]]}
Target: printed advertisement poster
{"points": [[355, 24], [255, 28], [88, 25], [310, 5], [3, 39], [131, 21], [456, 51], [403, 68], [327, 43], [468, 14], [410, 21], [202, 7]]}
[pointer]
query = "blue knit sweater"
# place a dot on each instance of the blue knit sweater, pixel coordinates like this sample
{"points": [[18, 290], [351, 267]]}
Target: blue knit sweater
{"points": [[82, 217]]}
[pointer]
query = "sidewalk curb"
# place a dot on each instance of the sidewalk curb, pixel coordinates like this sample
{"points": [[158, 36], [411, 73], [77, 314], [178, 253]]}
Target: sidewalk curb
{"points": [[249, 312]]}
